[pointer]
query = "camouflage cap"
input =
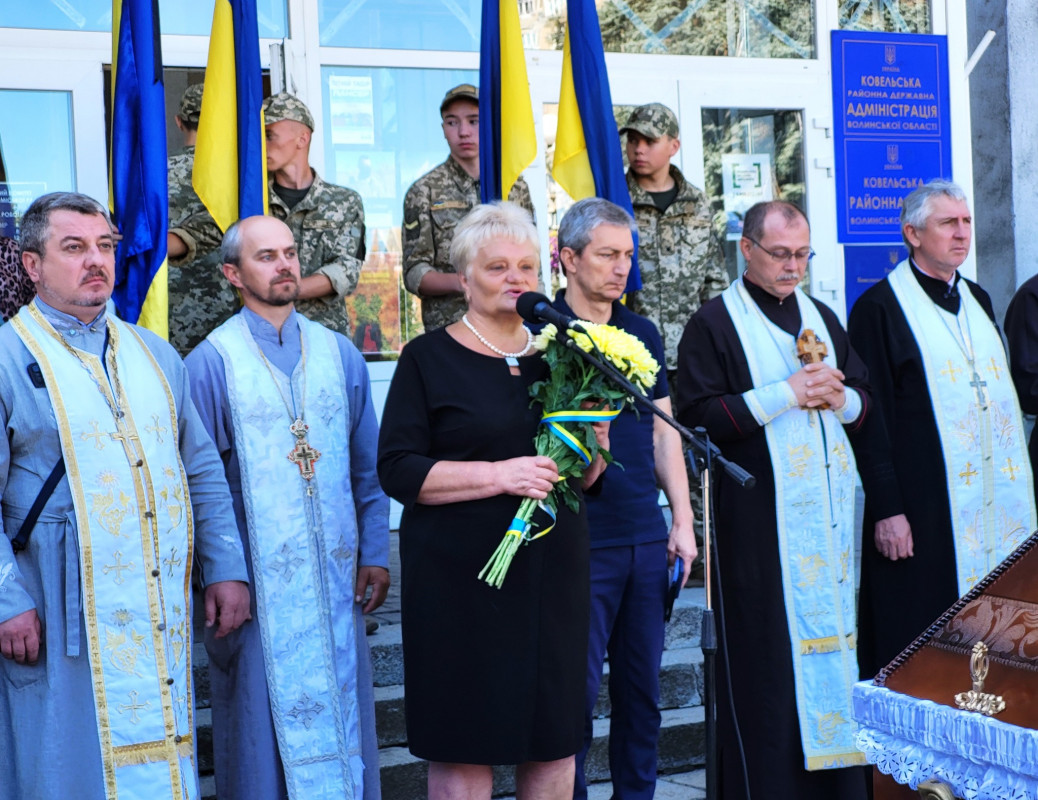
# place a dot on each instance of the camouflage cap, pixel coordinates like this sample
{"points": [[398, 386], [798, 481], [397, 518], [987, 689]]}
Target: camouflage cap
{"points": [[465, 91], [191, 104], [282, 106], [652, 120]]}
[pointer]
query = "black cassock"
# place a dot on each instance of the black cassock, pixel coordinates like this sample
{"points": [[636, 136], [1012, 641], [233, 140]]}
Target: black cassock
{"points": [[901, 465], [1022, 335], [755, 649]]}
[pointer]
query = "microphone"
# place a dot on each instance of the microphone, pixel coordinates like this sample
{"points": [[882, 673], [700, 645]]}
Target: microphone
{"points": [[536, 308]]}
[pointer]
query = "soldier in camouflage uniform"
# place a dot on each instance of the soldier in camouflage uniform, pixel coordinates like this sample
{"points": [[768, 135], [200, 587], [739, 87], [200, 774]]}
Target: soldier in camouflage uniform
{"points": [[436, 203], [680, 259], [326, 220], [200, 298]]}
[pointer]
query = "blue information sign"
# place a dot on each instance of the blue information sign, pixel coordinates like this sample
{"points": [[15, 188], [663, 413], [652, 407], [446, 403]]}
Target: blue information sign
{"points": [[866, 265], [892, 128]]}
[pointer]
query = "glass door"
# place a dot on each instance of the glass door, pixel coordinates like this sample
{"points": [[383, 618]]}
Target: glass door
{"points": [[763, 138], [750, 130], [52, 134]]}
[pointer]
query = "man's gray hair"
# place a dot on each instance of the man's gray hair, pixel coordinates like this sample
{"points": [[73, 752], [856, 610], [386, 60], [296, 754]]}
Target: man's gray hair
{"points": [[753, 222], [491, 221], [230, 246], [583, 217], [35, 225], [917, 207]]}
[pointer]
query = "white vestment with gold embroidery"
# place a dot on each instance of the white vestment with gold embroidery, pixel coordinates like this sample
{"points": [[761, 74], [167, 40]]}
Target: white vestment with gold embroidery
{"points": [[990, 490], [815, 476], [133, 517]]}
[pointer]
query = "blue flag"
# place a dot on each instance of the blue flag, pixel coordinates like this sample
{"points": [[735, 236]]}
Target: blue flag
{"points": [[230, 166], [588, 153], [140, 200], [507, 137]]}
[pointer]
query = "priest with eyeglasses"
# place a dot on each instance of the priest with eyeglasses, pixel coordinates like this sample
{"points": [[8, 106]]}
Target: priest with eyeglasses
{"points": [[769, 372]]}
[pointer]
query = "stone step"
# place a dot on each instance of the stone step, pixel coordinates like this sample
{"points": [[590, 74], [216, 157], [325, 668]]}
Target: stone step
{"points": [[681, 686], [683, 630], [681, 748]]}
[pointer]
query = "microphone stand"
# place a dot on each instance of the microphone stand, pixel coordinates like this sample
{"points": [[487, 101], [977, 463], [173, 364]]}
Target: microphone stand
{"points": [[706, 452], [698, 439]]}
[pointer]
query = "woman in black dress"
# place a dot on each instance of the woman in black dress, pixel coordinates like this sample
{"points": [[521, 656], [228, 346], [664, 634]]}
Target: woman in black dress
{"points": [[491, 676]]}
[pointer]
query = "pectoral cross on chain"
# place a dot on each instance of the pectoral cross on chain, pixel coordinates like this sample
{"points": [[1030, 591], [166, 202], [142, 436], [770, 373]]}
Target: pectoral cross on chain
{"points": [[303, 455], [978, 385]]}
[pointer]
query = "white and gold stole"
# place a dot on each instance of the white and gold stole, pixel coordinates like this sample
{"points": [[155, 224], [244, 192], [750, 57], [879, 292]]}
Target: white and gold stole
{"points": [[133, 520], [303, 538], [990, 492], [815, 476]]}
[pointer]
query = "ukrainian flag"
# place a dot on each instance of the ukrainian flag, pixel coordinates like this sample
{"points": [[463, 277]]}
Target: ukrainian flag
{"points": [[230, 166], [507, 139], [588, 153], [137, 180]]}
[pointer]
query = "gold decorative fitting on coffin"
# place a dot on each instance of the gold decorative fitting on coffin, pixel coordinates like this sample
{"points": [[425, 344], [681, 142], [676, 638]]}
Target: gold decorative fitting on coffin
{"points": [[976, 699]]}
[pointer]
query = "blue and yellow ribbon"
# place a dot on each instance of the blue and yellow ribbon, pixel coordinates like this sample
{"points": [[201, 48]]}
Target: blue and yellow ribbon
{"points": [[521, 527], [554, 419]]}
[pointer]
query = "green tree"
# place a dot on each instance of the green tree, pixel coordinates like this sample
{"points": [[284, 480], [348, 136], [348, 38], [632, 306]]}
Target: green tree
{"points": [[746, 28]]}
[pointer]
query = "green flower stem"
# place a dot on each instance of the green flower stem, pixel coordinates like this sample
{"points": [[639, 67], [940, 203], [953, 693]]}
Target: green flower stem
{"points": [[496, 568], [570, 466]]}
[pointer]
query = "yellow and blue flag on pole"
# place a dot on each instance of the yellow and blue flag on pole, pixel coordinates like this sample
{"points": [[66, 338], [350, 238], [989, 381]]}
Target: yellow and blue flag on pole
{"points": [[230, 166], [588, 153], [507, 139], [138, 189]]}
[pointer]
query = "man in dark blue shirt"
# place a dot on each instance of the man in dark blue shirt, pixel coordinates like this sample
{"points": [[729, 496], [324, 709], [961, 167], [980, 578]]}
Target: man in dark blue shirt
{"points": [[630, 544]]}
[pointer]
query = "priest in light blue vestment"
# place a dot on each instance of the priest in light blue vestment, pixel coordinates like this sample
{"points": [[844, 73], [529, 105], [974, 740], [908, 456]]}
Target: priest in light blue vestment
{"points": [[95, 608], [288, 403]]}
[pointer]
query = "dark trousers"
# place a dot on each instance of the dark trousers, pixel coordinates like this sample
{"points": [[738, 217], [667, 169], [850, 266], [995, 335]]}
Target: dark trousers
{"points": [[628, 590]]}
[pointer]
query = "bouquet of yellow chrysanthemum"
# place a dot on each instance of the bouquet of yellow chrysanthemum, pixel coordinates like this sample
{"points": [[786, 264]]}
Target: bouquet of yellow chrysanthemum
{"points": [[575, 396]]}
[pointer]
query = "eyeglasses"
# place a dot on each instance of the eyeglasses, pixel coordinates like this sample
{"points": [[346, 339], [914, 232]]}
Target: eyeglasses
{"points": [[783, 256]]}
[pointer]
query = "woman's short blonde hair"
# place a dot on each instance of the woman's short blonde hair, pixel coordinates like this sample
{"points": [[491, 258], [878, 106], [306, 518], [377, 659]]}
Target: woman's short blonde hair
{"points": [[491, 221]]}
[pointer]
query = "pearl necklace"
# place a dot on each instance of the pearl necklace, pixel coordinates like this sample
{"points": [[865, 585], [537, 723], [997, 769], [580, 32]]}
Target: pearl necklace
{"points": [[510, 358]]}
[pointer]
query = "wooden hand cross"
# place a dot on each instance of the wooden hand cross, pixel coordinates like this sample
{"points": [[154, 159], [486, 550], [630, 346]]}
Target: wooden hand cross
{"points": [[811, 350]]}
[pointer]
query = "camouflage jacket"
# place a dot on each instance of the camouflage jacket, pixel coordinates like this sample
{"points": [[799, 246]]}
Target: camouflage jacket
{"points": [[680, 259], [182, 198], [433, 207], [328, 225], [200, 298]]}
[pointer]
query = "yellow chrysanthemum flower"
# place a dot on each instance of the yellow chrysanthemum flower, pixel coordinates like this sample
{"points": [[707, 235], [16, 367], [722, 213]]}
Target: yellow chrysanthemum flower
{"points": [[625, 351], [544, 338]]}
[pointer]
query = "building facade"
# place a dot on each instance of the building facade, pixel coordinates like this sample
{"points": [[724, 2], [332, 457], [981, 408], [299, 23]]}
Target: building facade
{"points": [[748, 78]]}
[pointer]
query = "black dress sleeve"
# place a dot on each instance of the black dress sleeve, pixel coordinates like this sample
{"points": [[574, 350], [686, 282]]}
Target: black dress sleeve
{"points": [[405, 436]]}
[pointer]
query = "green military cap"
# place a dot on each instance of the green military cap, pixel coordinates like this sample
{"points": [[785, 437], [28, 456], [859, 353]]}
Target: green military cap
{"points": [[652, 121], [283, 106], [465, 91], [191, 104]]}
